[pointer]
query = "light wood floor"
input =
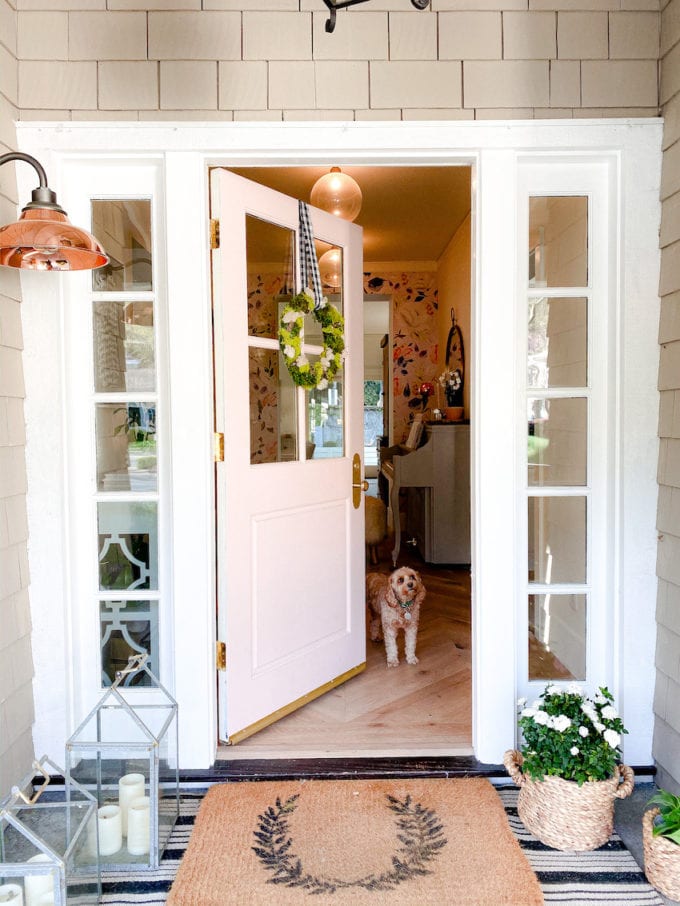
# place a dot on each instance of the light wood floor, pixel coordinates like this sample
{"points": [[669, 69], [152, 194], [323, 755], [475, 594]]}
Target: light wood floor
{"points": [[407, 710]]}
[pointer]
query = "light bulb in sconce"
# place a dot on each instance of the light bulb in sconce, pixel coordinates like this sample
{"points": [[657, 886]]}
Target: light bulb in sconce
{"points": [[337, 193], [330, 268]]}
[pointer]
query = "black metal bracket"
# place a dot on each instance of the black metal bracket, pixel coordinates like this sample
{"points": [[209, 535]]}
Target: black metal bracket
{"points": [[43, 196], [334, 5]]}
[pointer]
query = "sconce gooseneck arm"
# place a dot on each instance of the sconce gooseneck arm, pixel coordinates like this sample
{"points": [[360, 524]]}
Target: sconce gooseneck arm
{"points": [[43, 196]]}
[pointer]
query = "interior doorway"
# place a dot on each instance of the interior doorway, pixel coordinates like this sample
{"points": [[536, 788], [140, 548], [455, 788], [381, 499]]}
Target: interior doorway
{"points": [[416, 271]]}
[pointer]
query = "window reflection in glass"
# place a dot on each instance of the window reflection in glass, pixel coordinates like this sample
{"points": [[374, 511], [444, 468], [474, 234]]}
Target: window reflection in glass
{"points": [[126, 446], [124, 347], [557, 540], [128, 545], [557, 343], [123, 226], [558, 240], [557, 637], [128, 628], [556, 442], [273, 408], [325, 421]]}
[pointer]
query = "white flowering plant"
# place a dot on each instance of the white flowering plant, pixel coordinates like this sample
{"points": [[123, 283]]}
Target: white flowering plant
{"points": [[569, 735]]}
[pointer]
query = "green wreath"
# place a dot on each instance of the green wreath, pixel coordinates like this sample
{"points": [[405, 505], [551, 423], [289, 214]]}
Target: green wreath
{"points": [[304, 373]]}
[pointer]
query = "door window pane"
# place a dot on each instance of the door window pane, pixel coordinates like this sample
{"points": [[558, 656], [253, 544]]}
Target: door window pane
{"points": [[126, 447], [557, 637], [557, 343], [270, 257], [124, 228], [128, 545], [325, 421], [273, 408], [128, 628], [124, 347], [556, 442], [557, 540], [558, 240]]}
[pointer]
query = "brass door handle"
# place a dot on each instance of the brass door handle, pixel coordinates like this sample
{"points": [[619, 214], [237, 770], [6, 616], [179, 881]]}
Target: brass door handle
{"points": [[358, 485]]}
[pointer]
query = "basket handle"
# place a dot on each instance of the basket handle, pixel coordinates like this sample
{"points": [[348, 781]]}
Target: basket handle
{"points": [[626, 778], [513, 765]]}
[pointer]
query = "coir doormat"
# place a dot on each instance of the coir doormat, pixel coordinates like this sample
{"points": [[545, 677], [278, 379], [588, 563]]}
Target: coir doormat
{"points": [[354, 842]]}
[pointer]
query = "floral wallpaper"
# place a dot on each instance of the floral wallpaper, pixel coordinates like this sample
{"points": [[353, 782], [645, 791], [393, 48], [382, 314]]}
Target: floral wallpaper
{"points": [[263, 290], [414, 339]]}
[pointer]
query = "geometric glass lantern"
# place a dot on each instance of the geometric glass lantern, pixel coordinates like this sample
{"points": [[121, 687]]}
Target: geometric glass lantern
{"points": [[48, 844], [125, 753]]}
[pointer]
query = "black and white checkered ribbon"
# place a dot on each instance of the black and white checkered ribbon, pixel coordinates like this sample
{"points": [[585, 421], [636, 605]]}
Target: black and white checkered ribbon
{"points": [[309, 266]]}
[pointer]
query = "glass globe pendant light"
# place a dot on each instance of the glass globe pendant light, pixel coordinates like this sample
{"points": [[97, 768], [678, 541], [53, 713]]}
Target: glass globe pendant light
{"points": [[330, 268], [338, 193]]}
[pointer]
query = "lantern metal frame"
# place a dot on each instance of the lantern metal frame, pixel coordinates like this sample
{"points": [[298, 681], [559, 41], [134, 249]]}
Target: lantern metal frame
{"points": [[96, 759], [33, 824]]}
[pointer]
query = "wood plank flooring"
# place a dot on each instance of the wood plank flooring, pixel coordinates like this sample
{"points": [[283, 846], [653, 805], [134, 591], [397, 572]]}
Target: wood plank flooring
{"points": [[423, 709]]}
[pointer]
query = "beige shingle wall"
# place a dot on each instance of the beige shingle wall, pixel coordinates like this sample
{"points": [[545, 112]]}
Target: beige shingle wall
{"points": [[16, 669], [273, 59], [667, 696]]}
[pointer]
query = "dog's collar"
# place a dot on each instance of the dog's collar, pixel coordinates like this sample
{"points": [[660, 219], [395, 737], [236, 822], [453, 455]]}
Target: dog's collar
{"points": [[405, 603]]}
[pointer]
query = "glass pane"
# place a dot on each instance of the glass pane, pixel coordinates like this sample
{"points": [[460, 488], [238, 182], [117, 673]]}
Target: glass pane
{"points": [[325, 421], [124, 355], [330, 269], [128, 628], [273, 408], [557, 637], [556, 443], [557, 539], [270, 256], [558, 241], [126, 447], [557, 343], [128, 545], [123, 226]]}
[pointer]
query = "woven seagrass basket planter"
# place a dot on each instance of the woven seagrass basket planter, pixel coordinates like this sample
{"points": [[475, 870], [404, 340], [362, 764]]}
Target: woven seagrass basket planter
{"points": [[564, 815], [662, 859]]}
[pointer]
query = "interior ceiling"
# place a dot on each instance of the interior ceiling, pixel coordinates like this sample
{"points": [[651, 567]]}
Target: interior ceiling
{"points": [[408, 213]]}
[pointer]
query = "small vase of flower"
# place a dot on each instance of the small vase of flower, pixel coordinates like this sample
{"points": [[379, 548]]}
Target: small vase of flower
{"points": [[452, 384], [568, 768]]}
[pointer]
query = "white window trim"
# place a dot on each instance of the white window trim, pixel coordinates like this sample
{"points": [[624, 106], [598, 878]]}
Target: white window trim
{"points": [[188, 148]]}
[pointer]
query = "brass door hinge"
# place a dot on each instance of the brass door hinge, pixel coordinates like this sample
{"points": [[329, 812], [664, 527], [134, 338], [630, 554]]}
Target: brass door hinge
{"points": [[218, 447], [214, 234], [221, 655]]}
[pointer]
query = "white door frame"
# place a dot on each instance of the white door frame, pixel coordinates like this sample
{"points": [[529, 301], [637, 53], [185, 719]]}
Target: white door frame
{"points": [[634, 149]]}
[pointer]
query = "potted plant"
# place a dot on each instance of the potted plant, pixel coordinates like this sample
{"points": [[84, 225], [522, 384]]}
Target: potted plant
{"points": [[452, 384], [568, 768], [661, 843]]}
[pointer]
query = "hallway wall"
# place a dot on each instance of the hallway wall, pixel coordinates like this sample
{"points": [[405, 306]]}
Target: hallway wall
{"points": [[244, 60], [16, 669]]}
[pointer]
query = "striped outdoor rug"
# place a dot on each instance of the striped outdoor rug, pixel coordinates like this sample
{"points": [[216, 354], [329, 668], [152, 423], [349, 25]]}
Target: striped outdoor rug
{"points": [[608, 875]]}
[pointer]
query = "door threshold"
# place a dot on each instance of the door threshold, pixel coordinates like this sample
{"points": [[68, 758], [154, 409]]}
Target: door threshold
{"points": [[267, 753]]}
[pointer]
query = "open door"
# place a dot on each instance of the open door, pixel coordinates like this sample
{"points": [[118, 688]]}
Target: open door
{"points": [[290, 536]]}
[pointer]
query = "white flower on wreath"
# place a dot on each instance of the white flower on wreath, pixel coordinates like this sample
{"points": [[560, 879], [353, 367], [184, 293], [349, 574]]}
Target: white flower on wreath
{"points": [[301, 361], [290, 316], [584, 731], [561, 723], [609, 712], [289, 352], [612, 737], [574, 750], [323, 383]]}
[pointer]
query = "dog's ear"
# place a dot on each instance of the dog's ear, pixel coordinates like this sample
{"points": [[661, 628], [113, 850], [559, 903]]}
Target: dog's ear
{"points": [[421, 592], [390, 596]]}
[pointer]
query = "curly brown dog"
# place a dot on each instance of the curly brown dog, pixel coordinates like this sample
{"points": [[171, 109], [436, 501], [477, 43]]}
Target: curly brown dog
{"points": [[394, 603]]}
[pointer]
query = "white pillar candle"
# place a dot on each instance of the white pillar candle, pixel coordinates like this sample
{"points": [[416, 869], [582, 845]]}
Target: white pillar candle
{"points": [[110, 830], [130, 786], [139, 826], [36, 885], [12, 893]]}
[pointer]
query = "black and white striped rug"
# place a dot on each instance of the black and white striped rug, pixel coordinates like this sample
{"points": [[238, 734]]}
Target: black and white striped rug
{"points": [[607, 876]]}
